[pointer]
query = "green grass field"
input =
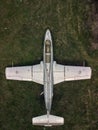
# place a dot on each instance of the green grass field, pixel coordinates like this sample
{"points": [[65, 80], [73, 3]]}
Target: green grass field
{"points": [[22, 27]]}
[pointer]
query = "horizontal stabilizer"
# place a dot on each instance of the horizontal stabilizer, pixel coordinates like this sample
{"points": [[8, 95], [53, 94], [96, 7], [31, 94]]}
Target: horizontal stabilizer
{"points": [[48, 120]]}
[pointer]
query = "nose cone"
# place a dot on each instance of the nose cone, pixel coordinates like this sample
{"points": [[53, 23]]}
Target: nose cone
{"points": [[48, 35]]}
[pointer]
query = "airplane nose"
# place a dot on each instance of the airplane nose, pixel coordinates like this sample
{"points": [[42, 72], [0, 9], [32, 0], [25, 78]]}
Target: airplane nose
{"points": [[48, 35], [48, 32]]}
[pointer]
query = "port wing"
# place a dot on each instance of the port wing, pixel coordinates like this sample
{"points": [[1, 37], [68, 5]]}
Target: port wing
{"points": [[68, 73], [26, 73]]}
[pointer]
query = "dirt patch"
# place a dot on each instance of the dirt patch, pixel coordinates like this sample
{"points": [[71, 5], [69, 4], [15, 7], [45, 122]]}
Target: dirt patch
{"points": [[94, 46], [95, 28], [93, 23]]}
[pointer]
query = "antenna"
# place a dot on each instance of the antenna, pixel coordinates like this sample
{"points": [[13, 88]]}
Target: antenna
{"points": [[83, 63], [12, 63], [44, 128]]}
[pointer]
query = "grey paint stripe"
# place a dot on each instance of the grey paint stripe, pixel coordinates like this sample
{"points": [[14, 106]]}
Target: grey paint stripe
{"points": [[64, 73], [32, 72]]}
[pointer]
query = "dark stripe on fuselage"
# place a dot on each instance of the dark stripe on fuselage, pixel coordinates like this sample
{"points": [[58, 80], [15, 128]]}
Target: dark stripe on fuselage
{"points": [[48, 86]]}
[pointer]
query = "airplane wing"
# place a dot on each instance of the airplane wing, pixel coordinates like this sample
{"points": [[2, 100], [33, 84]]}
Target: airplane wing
{"points": [[26, 73], [68, 73]]}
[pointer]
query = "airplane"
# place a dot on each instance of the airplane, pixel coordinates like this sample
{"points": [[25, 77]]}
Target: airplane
{"points": [[48, 73]]}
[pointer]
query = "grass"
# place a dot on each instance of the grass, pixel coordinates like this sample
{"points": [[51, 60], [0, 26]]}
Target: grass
{"points": [[22, 29]]}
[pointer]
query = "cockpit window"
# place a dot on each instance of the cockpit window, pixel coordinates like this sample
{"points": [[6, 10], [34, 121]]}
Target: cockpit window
{"points": [[48, 46], [48, 51]]}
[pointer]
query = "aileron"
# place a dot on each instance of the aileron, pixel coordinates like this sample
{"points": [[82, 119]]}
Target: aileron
{"points": [[25, 73], [19, 73], [69, 73]]}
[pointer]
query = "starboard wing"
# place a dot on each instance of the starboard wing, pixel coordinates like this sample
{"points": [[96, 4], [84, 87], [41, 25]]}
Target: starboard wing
{"points": [[26, 73], [68, 73]]}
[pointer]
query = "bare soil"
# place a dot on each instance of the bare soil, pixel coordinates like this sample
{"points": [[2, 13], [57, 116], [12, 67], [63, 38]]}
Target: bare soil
{"points": [[94, 24]]}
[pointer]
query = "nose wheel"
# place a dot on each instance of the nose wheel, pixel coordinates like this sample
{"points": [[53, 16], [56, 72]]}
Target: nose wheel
{"points": [[41, 93]]}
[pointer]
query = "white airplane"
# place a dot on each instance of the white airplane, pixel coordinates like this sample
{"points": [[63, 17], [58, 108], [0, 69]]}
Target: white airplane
{"points": [[48, 72]]}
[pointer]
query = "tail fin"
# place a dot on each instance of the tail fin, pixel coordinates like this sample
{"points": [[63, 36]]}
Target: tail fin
{"points": [[48, 120]]}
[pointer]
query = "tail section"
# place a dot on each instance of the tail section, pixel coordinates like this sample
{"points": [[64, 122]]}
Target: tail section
{"points": [[48, 120]]}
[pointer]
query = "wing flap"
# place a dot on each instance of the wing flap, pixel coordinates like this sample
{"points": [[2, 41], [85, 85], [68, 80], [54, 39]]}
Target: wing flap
{"points": [[38, 73]]}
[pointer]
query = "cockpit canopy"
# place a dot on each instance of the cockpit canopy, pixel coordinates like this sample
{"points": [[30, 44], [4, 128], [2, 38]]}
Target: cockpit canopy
{"points": [[47, 51]]}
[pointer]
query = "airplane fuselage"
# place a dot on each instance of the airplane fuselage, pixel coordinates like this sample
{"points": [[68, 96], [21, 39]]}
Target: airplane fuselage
{"points": [[48, 70]]}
